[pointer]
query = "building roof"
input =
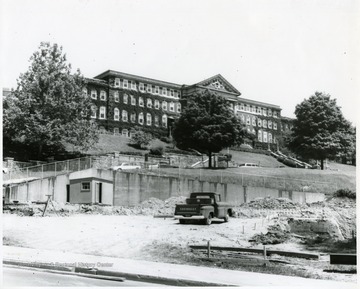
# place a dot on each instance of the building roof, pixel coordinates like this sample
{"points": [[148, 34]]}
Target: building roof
{"points": [[140, 78], [245, 100], [226, 85]]}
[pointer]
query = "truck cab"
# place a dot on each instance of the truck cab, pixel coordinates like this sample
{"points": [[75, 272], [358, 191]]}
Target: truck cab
{"points": [[203, 206]]}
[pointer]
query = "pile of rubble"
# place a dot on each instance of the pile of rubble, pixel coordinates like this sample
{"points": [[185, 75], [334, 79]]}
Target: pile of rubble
{"points": [[277, 234], [271, 204]]}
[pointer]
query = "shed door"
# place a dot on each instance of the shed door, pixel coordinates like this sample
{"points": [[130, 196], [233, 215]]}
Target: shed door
{"points": [[98, 193]]}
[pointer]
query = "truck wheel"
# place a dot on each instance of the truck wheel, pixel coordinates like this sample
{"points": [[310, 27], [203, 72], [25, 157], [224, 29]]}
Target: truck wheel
{"points": [[226, 218], [208, 220], [182, 221]]}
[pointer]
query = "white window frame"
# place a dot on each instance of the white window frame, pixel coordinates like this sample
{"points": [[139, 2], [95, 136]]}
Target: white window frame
{"points": [[264, 123], [124, 115], [116, 130], [164, 91], [164, 105], [260, 139], [125, 83], [125, 98], [93, 111], [141, 87], [148, 119], [141, 101], [171, 92], [172, 106], [141, 118], [133, 100], [93, 94], [149, 88], [133, 117], [178, 107], [270, 124], [116, 96], [164, 120], [253, 121], [259, 122], [265, 138], [103, 95], [125, 132], [157, 90], [116, 114], [117, 82], [156, 120], [85, 92], [149, 102], [248, 120], [157, 104], [102, 111], [133, 85], [275, 125]]}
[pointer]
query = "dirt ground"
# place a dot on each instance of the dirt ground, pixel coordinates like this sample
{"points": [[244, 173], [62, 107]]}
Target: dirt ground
{"points": [[135, 233]]}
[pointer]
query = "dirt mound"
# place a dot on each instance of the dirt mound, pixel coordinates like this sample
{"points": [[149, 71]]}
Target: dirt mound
{"points": [[271, 203], [277, 234]]}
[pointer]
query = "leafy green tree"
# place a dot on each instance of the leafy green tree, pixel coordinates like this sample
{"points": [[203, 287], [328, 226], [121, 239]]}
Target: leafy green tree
{"points": [[48, 107], [207, 124], [139, 138], [320, 130]]}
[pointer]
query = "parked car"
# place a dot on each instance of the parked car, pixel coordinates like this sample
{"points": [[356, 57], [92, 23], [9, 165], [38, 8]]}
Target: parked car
{"points": [[249, 165], [203, 206], [126, 166]]}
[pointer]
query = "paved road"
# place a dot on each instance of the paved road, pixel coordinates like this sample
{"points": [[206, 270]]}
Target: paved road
{"points": [[13, 276]]}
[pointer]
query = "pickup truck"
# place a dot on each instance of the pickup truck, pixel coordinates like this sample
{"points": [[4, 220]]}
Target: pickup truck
{"points": [[203, 206]]}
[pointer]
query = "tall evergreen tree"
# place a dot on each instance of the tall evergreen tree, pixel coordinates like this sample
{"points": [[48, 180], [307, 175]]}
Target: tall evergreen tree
{"points": [[320, 130], [48, 106], [207, 124]]}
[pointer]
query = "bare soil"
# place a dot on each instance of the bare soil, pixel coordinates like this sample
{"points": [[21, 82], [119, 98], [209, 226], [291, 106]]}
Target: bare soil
{"points": [[135, 233]]}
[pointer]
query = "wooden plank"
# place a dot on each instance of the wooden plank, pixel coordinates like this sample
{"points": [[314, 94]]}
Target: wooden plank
{"points": [[260, 251], [344, 259]]}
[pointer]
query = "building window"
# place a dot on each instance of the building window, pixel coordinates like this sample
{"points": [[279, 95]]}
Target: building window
{"points": [[247, 108], [124, 114], [102, 129], [133, 85], [116, 96], [260, 135], [125, 83], [270, 137], [254, 121], [125, 132], [178, 107], [171, 92], [164, 105], [93, 94], [258, 110], [269, 113], [241, 106], [264, 111], [141, 87], [176, 93], [157, 104], [259, 122], [248, 120], [93, 111], [164, 120], [253, 109], [164, 91], [265, 137], [148, 119], [125, 98], [133, 100], [141, 118], [231, 105], [116, 114], [102, 113], [274, 114], [270, 124], [141, 101], [275, 125], [172, 106], [103, 95], [264, 123], [133, 117], [85, 186], [117, 82], [116, 130], [242, 118], [149, 88], [156, 120], [149, 103], [157, 90]]}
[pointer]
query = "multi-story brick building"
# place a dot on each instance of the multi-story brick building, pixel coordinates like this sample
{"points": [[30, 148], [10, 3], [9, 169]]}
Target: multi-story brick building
{"points": [[122, 101]]}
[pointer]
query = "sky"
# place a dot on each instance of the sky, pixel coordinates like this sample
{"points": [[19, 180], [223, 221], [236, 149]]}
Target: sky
{"points": [[278, 52]]}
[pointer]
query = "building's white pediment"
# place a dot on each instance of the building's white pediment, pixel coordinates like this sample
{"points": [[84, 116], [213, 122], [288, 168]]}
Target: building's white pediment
{"points": [[219, 83]]}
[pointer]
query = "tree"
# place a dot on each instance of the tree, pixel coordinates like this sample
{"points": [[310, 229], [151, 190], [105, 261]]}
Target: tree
{"points": [[320, 130], [49, 107], [207, 124], [139, 138]]}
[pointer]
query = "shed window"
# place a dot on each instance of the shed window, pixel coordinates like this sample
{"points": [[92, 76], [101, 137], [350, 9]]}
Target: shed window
{"points": [[85, 186]]}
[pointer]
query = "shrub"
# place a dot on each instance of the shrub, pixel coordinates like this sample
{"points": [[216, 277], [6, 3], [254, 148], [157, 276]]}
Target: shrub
{"points": [[157, 150], [140, 139], [342, 193]]}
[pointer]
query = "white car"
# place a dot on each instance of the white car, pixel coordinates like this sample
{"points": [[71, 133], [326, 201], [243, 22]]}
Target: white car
{"points": [[126, 166]]}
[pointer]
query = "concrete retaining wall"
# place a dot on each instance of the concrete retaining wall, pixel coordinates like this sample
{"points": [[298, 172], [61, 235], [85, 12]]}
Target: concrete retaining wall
{"points": [[131, 189]]}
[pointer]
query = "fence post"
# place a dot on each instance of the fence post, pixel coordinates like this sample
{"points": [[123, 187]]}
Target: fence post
{"points": [[242, 179]]}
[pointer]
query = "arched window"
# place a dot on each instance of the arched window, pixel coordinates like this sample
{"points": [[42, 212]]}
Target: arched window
{"points": [[164, 120], [164, 105], [264, 123], [141, 101], [141, 118], [259, 122], [148, 119], [116, 96], [125, 98], [157, 104], [149, 103], [248, 120], [102, 113], [124, 114], [172, 106], [116, 114]]}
